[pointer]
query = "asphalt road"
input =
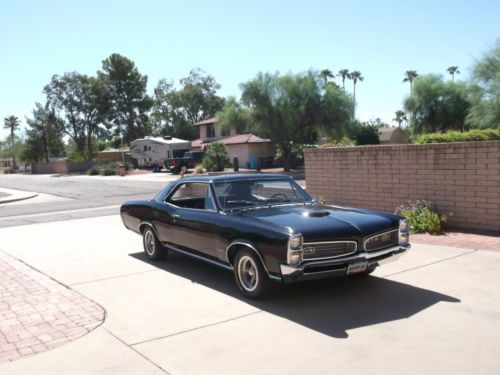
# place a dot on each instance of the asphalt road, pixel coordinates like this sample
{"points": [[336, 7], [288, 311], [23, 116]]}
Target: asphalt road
{"points": [[66, 197]]}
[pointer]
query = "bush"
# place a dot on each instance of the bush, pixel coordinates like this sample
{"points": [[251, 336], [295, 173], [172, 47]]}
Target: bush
{"points": [[103, 169], [422, 217], [455, 136], [344, 142], [9, 171], [199, 169], [216, 158], [94, 171]]}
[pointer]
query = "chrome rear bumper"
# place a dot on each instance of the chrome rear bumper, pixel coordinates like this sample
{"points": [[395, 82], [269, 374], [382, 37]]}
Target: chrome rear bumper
{"points": [[337, 267]]}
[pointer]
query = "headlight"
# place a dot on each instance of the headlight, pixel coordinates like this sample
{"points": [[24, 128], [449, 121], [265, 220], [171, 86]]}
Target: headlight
{"points": [[404, 232], [295, 251], [295, 243], [404, 225]]}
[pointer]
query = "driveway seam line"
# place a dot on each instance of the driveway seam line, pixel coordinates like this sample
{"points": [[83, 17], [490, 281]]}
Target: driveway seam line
{"points": [[197, 328], [431, 264], [112, 277], [136, 351]]}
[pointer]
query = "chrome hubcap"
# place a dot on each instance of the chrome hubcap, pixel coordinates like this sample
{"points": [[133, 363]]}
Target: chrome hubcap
{"points": [[149, 242], [247, 273]]}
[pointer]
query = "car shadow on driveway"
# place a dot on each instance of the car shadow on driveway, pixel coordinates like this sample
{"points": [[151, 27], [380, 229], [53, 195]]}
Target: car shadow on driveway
{"points": [[331, 306]]}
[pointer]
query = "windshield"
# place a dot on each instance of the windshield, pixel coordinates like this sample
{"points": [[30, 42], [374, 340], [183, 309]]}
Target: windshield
{"points": [[254, 193]]}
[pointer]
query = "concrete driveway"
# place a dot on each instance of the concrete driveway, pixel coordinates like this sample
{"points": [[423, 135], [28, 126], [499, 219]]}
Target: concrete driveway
{"points": [[437, 310]]}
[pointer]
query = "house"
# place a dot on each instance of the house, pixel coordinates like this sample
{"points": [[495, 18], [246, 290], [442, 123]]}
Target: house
{"points": [[392, 135], [7, 163], [248, 147]]}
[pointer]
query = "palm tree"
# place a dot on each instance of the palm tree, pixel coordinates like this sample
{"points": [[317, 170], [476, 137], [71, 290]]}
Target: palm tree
{"points": [[410, 76], [355, 76], [12, 123], [453, 70], [344, 73], [400, 117], [326, 74]]}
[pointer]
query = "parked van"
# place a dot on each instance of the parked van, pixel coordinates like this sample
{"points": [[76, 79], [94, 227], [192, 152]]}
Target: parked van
{"points": [[151, 152]]}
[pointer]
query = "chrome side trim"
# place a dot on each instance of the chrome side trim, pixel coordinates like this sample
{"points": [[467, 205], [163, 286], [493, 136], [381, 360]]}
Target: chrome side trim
{"points": [[149, 224], [289, 270], [199, 257], [369, 238], [250, 246], [327, 242]]}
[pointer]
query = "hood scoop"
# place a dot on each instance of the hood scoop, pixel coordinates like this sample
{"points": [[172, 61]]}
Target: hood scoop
{"points": [[315, 213]]}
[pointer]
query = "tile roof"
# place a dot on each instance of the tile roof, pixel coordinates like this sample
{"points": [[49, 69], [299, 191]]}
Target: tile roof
{"points": [[233, 140], [211, 120]]}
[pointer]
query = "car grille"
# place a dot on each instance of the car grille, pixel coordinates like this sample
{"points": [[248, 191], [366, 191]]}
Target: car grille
{"points": [[333, 249], [382, 240]]}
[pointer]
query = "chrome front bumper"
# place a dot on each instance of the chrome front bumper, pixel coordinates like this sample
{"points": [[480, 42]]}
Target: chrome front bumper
{"points": [[337, 267]]}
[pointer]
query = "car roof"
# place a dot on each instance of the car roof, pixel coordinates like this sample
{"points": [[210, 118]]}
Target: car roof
{"points": [[236, 177]]}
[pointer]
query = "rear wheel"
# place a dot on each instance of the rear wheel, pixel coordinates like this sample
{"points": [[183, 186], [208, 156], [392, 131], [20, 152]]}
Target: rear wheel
{"points": [[152, 246], [250, 275]]}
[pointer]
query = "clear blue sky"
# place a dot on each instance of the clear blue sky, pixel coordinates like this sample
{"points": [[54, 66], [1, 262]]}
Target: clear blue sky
{"points": [[233, 40]]}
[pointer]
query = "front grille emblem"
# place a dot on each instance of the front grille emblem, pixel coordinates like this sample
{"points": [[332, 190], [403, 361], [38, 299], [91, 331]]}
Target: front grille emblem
{"points": [[309, 250]]}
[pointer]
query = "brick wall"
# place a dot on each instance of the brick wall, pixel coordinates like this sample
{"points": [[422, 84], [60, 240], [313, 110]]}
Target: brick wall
{"points": [[462, 178]]}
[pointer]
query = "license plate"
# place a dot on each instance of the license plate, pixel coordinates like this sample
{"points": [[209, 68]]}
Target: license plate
{"points": [[356, 268]]}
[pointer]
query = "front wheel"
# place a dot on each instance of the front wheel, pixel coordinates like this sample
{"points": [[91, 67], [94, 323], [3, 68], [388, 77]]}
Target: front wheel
{"points": [[152, 246], [250, 275]]}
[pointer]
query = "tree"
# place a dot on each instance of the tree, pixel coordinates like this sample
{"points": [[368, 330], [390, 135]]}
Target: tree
{"points": [[344, 73], [484, 91], [400, 117], [437, 105], [176, 111], [326, 74], [12, 124], [129, 101], [289, 109], [453, 70], [410, 76], [355, 76], [216, 158], [44, 138], [83, 104]]}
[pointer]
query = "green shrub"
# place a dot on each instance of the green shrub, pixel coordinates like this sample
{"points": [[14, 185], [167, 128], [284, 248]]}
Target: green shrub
{"points": [[422, 217], [94, 171], [199, 169], [344, 142], [9, 171], [455, 136], [216, 158]]}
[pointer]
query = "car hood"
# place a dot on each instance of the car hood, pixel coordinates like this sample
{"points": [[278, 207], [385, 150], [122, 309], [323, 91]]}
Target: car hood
{"points": [[324, 223]]}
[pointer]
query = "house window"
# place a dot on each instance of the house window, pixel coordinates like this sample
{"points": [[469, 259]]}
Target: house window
{"points": [[210, 131], [145, 148]]}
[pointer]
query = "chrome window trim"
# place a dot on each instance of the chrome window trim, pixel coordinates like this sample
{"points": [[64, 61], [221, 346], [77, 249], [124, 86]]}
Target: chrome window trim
{"points": [[376, 235], [176, 186], [327, 242]]}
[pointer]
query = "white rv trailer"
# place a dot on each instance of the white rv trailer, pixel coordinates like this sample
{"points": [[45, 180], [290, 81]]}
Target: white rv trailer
{"points": [[152, 151]]}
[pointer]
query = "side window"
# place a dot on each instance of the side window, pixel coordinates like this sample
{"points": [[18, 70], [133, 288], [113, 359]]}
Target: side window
{"points": [[210, 131], [195, 195]]}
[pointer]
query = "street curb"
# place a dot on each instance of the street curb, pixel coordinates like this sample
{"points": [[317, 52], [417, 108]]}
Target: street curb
{"points": [[17, 197]]}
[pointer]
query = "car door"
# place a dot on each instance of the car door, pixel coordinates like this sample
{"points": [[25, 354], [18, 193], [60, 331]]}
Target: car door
{"points": [[195, 217]]}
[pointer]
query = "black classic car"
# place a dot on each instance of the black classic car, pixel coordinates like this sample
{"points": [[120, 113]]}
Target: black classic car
{"points": [[264, 227]]}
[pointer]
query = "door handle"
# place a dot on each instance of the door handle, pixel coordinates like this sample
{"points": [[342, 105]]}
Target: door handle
{"points": [[175, 216]]}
